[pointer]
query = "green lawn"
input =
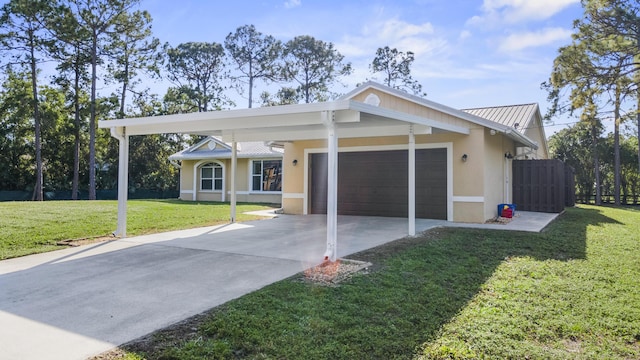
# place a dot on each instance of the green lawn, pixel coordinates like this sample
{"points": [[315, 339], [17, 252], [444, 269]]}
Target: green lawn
{"points": [[35, 227], [572, 292]]}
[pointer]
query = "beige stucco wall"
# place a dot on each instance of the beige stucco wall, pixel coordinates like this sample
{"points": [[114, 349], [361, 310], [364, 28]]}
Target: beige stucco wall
{"points": [[467, 181], [243, 193], [497, 173], [478, 185], [186, 180], [392, 102], [468, 212], [534, 133]]}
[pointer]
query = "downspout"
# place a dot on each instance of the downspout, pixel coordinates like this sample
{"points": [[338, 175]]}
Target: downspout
{"points": [[123, 179], [506, 179]]}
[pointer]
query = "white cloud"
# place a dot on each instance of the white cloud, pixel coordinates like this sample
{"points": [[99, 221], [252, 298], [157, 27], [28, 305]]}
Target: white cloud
{"points": [[515, 11], [394, 29], [394, 33], [464, 34], [289, 4], [520, 41]]}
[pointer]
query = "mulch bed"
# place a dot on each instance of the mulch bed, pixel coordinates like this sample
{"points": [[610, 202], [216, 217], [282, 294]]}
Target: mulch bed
{"points": [[501, 220], [331, 273]]}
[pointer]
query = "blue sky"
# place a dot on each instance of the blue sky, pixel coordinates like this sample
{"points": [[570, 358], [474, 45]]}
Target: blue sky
{"points": [[467, 53]]}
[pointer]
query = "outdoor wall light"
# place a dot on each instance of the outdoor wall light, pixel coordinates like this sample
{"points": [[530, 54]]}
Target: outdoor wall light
{"points": [[508, 155], [464, 157], [295, 162]]}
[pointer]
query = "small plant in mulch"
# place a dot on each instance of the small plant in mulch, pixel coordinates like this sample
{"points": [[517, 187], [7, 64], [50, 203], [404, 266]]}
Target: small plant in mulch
{"points": [[501, 220], [333, 272]]}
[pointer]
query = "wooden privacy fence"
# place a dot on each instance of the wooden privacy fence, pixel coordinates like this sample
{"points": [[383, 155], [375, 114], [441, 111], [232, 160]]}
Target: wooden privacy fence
{"points": [[543, 185]]}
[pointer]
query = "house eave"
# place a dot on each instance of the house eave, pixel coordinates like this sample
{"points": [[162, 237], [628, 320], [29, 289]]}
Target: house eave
{"points": [[510, 132], [281, 123]]}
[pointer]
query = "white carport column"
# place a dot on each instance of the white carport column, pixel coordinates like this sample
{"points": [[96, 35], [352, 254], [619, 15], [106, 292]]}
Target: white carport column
{"points": [[332, 187], [234, 164], [123, 179], [412, 182]]}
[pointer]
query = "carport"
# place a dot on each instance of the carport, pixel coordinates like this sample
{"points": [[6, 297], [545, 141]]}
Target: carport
{"points": [[328, 120]]}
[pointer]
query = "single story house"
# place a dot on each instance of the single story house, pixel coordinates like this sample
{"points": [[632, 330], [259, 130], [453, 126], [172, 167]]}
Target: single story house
{"points": [[204, 171], [376, 151]]}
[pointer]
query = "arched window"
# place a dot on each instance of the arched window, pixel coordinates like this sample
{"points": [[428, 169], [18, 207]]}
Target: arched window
{"points": [[211, 177]]}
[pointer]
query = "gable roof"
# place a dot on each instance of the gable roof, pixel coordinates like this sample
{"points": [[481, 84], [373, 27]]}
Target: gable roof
{"points": [[308, 121], [507, 129], [214, 148], [518, 117], [521, 117]]}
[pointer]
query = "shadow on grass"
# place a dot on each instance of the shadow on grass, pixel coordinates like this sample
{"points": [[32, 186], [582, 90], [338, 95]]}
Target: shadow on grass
{"points": [[415, 287]]}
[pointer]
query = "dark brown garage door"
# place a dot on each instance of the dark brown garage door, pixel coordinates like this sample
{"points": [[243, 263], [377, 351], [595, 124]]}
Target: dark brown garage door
{"points": [[375, 183]]}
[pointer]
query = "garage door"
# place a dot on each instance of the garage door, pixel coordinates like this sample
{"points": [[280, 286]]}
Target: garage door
{"points": [[375, 183]]}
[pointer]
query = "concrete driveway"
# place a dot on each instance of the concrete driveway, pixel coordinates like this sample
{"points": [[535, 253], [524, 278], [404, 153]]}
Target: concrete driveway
{"points": [[79, 302]]}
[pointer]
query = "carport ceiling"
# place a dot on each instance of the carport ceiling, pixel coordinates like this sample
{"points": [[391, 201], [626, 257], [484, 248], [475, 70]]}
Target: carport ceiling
{"points": [[287, 123]]}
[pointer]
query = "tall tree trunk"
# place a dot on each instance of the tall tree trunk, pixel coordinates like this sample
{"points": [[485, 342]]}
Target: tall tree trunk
{"points": [[638, 95], [37, 191], [596, 162], [92, 119], [123, 96], [76, 128], [616, 147], [250, 83], [125, 82], [306, 86]]}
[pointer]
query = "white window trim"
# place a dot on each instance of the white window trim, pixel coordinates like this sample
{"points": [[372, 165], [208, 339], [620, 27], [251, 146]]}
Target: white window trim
{"points": [[213, 178], [250, 176], [197, 185]]}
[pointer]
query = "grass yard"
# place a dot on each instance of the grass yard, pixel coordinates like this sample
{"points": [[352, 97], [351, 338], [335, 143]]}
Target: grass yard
{"points": [[572, 292], [35, 227]]}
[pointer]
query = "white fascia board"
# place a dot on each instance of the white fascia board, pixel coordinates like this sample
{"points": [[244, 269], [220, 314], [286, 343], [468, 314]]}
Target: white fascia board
{"points": [[224, 118], [538, 116], [194, 156], [518, 137], [211, 126], [197, 145], [510, 132], [414, 119], [420, 101], [204, 141], [492, 125]]}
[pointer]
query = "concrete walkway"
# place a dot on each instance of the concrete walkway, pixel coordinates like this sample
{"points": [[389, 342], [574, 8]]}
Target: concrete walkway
{"points": [[79, 302]]}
